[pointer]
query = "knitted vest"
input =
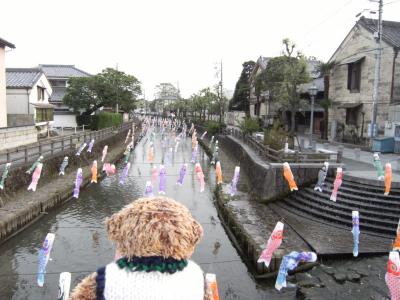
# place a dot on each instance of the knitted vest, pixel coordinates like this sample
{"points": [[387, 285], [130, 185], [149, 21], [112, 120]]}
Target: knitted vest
{"points": [[116, 283]]}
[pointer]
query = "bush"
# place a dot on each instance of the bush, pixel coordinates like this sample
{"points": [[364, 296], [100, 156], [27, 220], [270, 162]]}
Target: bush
{"points": [[106, 119], [275, 137], [249, 125], [214, 127], [86, 120]]}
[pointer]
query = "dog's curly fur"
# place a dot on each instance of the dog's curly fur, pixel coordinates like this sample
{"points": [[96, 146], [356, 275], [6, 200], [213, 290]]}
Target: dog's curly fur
{"points": [[157, 226]]}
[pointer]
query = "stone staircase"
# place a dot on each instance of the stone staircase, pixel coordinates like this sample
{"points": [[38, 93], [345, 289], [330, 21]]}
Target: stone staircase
{"points": [[379, 214]]}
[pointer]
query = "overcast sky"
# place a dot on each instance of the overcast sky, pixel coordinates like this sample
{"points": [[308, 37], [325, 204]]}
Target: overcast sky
{"points": [[174, 40]]}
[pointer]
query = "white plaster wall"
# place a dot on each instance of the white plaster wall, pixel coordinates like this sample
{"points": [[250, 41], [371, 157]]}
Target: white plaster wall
{"points": [[64, 121], [18, 101], [44, 83], [3, 104]]}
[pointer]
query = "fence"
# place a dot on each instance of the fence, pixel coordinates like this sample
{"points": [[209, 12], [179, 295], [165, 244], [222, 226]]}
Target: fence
{"points": [[26, 153], [280, 156]]}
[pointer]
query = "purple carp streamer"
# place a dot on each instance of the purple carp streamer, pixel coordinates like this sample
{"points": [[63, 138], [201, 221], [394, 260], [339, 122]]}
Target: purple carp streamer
{"points": [[162, 186], [182, 174], [355, 231], [125, 173], [78, 182], [290, 262], [90, 146], [44, 256]]}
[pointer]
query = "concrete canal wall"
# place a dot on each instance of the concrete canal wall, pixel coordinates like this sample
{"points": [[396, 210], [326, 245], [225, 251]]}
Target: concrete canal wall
{"points": [[18, 207], [267, 181], [249, 224]]}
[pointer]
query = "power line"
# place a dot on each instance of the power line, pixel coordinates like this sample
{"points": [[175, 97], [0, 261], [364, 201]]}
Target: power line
{"points": [[327, 18], [89, 272]]}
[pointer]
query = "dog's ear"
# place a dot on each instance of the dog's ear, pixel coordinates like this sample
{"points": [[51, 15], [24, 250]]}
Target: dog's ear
{"points": [[197, 232], [114, 224]]}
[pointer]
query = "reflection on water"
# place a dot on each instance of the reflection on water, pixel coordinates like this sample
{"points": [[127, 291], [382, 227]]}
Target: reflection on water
{"points": [[81, 244]]}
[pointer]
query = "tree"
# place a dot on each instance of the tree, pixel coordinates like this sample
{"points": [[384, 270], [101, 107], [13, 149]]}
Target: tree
{"points": [[109, 88], [282, 78], [241, 95], [324, 69]]}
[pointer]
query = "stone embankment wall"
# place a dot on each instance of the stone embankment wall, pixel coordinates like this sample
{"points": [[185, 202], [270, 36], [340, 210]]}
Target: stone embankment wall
{"points": [[18, 207], [239, 217], [15, 136], [267, 181]]}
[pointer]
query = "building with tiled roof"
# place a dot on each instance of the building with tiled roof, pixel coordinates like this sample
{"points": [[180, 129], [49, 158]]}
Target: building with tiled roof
{"points": [[28, 93], [58, 76], [352, 80]]}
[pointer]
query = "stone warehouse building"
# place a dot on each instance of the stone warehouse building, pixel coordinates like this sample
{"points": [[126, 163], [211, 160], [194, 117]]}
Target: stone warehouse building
{"points": [[352, 79]]}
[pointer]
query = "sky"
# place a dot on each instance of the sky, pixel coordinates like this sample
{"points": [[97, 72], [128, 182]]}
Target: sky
{"points": [[176, 41]]}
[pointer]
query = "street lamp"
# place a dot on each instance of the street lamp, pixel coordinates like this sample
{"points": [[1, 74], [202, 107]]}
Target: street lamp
{"points": [[313, 92]]}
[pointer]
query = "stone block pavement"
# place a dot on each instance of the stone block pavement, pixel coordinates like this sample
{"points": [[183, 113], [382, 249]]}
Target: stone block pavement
{"points": [[359, 163]]}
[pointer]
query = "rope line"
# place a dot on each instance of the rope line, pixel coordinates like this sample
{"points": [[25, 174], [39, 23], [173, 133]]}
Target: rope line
{"points": [[88, 272]]}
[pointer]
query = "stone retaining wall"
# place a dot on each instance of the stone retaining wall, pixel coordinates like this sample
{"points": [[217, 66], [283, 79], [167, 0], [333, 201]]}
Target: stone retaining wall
{"points": [[18, 207], [267, 181], [16, 136]]}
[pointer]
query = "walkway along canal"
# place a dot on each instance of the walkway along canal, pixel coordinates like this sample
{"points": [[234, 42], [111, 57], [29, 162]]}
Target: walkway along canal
{"points": [[81, 244]]}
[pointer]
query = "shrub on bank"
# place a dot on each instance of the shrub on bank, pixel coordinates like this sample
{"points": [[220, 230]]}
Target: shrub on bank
{"points": [[214, 127], [106, 119], [275, 137], [249, 125]]}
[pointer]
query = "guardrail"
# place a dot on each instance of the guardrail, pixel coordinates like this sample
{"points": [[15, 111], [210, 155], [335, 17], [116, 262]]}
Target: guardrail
{"points": [[280, 156], [50, 146]]}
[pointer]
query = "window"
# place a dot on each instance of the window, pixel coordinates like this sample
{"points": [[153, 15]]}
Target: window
{"points": [[40, 93], [354, 77], [44, 114], [352, 116]]}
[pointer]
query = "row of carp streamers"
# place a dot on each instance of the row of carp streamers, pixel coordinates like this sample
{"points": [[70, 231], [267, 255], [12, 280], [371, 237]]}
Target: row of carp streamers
{"points": [[290, 261], [44, 252]]}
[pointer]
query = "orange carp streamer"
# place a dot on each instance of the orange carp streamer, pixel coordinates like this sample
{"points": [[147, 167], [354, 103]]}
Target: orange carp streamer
{"points": [[287, 173], [94, 172], [388, 178], [218, 172], [212, 287]]}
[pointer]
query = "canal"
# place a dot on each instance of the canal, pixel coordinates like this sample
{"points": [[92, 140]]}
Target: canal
{"points": [[81, 244]]}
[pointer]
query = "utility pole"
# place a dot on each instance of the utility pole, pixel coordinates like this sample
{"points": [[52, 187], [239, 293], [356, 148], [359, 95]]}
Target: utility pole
{"points": [[222, 98], [378, 55], [116, 106]]}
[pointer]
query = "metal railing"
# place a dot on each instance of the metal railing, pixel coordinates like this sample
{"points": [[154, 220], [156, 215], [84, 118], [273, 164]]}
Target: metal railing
{"points": [[279, 156], [50, 146]]}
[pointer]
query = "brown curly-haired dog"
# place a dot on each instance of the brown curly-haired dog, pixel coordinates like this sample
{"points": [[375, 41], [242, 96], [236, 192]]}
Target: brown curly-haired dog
{"points": [[149, 227]]}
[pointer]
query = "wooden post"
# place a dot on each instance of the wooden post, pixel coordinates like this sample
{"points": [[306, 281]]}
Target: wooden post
{"points": [[40, 148], [62, 145], [8, 156], [26, 153], [52, 147]]}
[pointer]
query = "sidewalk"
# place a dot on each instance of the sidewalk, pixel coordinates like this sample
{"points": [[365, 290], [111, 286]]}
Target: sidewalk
{"points": [[360, 163]]}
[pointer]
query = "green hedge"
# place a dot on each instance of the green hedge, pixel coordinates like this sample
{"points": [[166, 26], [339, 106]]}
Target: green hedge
{"points": [[106, 119], [100, 121], [214, 127]]}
